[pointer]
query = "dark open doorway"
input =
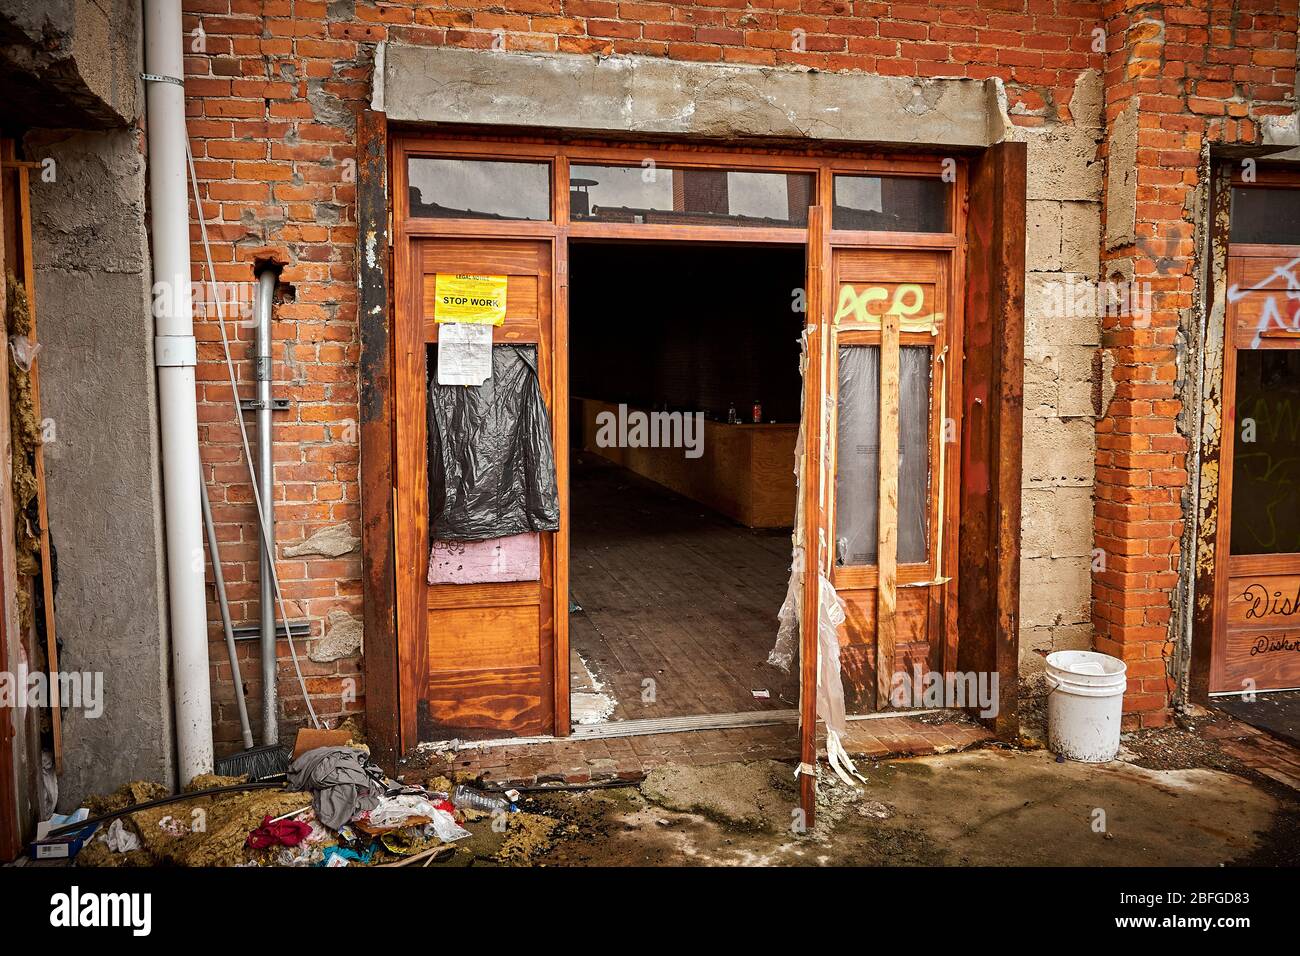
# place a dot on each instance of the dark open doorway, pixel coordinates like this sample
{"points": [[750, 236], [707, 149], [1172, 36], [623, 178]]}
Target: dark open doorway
{"points": [[681, 501]]}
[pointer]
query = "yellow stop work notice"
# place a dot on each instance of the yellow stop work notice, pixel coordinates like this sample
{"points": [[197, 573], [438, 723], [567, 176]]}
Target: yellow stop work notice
{"points": [[476, 300]]}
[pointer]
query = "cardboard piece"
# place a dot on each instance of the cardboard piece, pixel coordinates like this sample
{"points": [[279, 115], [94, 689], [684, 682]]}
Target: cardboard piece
{"points": [[309, 738]]}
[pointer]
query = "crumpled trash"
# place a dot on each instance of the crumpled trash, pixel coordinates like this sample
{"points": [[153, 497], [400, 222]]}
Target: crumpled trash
{"points": [[172, 826], [24, 351], [343, 782], [300, 855], [342, 855], [120, 839], [278, 833], [445, 825], [408, 809], [401, 809], [318, 833]]}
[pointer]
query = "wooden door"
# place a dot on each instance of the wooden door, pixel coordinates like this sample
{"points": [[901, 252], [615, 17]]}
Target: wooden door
{"points": [[882, 387], [893, 375], [1257, 584], [477, 658]]}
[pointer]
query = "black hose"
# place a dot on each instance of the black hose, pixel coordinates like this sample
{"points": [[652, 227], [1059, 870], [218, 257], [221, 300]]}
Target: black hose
{"points": [[617, 783]]}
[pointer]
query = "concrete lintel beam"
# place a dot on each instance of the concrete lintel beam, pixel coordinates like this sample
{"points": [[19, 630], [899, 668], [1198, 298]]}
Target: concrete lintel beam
{"points": [[632, 94]]}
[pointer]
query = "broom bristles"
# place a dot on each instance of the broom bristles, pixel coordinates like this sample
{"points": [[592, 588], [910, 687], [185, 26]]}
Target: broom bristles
{"points": [[257, 764]]}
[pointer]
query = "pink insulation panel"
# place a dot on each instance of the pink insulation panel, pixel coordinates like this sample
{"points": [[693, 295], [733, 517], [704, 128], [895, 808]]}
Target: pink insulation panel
{"points": [[513, 558]]}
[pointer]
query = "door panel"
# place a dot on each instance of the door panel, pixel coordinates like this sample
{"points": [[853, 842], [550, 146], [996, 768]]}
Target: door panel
{"points": [[479, 656], [1257, 600], [892, 339]]}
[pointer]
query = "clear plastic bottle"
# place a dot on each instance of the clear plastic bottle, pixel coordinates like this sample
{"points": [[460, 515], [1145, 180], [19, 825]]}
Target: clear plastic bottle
{"points": [[732, 417], [467, 798]]}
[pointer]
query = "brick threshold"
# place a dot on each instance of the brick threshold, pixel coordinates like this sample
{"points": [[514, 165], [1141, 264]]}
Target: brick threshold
{"points": [[603, 760]]}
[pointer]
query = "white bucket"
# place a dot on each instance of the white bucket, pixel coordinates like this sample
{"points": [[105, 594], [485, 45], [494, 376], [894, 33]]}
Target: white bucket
{"points": [[1084, 704]]}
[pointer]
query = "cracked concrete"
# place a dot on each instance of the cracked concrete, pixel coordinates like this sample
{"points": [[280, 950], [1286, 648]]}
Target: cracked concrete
{"points": [[647, 95], [978, 808]]}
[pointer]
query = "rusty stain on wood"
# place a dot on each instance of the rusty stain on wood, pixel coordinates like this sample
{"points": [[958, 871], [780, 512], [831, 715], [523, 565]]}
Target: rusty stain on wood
{"points": [[381, 658], [989, 544]]}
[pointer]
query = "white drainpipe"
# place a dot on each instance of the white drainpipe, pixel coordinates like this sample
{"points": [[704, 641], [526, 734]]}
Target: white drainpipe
{"points": [[174, 354]]}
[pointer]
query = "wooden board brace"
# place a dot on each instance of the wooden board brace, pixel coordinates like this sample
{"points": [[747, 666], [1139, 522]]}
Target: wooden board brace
{"points": [[887, 521], [23, 172]]}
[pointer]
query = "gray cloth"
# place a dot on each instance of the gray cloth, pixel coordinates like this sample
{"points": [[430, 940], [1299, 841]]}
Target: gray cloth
{"points": [[343, 782]]}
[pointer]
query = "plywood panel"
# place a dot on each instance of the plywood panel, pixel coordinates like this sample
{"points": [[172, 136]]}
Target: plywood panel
{"points": [[1266, 319], [1264, 272], [521, 322], [483, 638], [858, 671], [489, 701], [859, 627], [1255, 658], [895, 265], [484, 594], [1265, 600], [771, 475]]}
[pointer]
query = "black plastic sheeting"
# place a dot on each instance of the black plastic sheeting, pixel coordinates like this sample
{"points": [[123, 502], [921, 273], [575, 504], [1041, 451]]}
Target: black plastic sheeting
{"points": [[491, 461]]}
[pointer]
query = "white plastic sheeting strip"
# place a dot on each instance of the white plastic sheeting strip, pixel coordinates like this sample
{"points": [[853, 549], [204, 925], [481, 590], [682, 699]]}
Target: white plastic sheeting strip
{"points": [[830, 688], [830, 615]]}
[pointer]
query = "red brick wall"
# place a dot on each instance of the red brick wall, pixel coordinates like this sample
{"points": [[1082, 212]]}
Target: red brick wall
{"points": [[1203, 73], [273, 92]]}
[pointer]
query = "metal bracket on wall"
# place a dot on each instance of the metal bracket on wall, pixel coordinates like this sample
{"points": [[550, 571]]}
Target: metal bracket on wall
{"points": [[255, 405], [253, 632]]}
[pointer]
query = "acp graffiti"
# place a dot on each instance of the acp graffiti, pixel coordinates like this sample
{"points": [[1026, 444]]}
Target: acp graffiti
{"points": [[905, 299]]}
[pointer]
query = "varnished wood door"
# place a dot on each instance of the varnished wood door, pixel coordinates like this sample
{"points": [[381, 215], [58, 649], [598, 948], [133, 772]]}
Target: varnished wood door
{"points": [[477, 658], [1257, 582], [894, 377]]}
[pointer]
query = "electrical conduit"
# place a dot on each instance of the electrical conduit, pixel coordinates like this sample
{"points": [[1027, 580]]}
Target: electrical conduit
{"points": [[266, 481]]}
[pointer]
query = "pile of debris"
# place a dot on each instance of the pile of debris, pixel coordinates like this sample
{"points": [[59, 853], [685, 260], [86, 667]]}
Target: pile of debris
{"points": [[334, 807]]}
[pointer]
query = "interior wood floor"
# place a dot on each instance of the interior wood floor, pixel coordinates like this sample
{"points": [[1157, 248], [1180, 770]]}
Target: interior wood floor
{"points": [[665, 589]]}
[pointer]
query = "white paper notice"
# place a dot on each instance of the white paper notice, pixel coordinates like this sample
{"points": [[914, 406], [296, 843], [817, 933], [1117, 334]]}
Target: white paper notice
{"points": [[464, 353]]}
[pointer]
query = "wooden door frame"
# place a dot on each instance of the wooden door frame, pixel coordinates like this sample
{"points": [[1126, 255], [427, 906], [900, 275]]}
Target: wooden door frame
{"points": [[1210, 630], [390, 709]]}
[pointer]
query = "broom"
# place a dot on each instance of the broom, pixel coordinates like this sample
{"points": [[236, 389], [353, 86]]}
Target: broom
{"points": [[257, 763]]}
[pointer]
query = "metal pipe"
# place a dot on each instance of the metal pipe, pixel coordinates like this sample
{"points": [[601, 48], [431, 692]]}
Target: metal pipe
{"points": [[174, 356], [219, 579], [266, 280]]}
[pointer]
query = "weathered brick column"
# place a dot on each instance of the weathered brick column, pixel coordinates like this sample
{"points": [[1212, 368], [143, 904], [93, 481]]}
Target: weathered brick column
{"points": [[1180, 78]]}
